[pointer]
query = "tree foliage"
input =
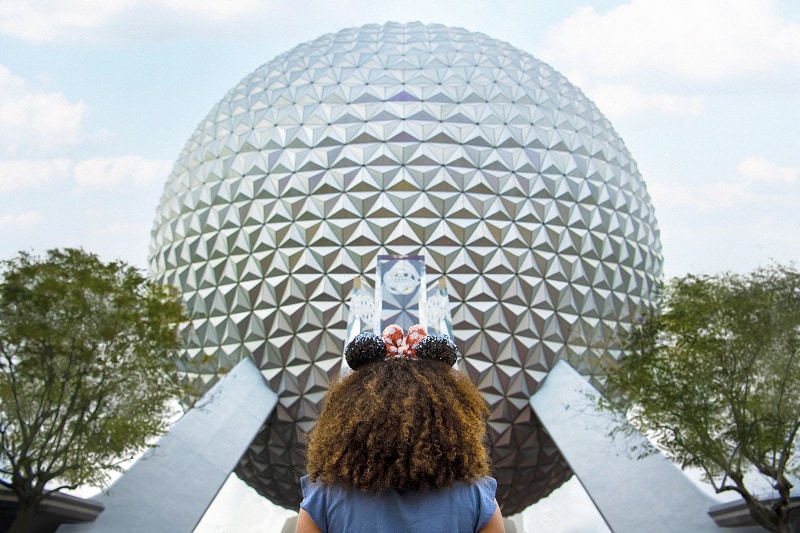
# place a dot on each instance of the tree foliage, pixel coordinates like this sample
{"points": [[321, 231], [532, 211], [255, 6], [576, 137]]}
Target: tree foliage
{"points": [[714, 380], [87, 354]]}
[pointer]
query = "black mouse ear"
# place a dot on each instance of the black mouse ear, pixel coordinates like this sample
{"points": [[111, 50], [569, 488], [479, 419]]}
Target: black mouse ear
{"points": [[364, 348], [438, 347]]}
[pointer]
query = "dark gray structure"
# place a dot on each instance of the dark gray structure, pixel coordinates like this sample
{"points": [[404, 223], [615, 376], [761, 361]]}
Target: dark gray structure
{"points": [[406, 140]]}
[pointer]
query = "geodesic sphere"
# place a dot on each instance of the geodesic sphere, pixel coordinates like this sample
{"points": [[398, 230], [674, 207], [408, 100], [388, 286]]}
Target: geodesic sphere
{"points": [[406, 139]]}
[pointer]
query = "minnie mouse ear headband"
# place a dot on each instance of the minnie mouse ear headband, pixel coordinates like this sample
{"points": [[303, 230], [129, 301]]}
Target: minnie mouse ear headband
{"points": [[368, 347]]}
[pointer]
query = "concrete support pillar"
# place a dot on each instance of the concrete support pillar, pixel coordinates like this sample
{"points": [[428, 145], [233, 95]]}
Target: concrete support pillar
{"points": [[170, 487], [632, 495]]}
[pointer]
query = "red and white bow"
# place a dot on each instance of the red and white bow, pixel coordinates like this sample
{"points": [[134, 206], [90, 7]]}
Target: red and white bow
{"points": [[398, 344]]}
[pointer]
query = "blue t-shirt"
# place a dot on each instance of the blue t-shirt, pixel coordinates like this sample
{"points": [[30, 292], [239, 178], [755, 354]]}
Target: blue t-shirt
{"points": [[461, 508]]}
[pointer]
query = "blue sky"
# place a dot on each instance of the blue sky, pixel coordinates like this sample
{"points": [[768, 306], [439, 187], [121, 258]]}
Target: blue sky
{"points": [[98, 97]]}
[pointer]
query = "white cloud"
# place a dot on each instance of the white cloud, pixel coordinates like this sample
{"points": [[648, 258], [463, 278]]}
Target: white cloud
{"points": [[17, 175], [695, 39], [32, 120], [700, 198], [619, 101], [121, 229], [25, 220], [25, 174], [237, 507], [759, 170], [39, 21], [759, 183], [110, 172], [47, 21], [549, 514], [213, 10]]}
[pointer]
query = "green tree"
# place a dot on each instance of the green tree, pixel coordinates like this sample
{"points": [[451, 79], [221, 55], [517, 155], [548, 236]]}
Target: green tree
{"points": [[87, 354], [714, 380]]}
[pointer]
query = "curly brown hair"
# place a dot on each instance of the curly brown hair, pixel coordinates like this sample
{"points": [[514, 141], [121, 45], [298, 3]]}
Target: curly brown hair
{"points": [[400, 424]]}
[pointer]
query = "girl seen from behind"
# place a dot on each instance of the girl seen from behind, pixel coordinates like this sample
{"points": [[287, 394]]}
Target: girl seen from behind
{"points": [[399, 445]]}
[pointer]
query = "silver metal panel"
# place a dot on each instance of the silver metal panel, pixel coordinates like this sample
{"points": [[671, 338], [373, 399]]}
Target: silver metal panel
{"points": [[406, 139]]}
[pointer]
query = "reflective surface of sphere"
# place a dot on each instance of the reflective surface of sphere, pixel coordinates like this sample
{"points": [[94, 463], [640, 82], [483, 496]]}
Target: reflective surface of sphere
{"points": [[406, 139]]}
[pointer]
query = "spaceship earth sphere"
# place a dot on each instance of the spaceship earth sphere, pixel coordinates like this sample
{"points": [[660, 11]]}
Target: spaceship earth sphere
{"points": [[406, 139]]}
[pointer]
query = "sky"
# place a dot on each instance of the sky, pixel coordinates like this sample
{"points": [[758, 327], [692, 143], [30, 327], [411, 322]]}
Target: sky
{"points": [[98, 97]]}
